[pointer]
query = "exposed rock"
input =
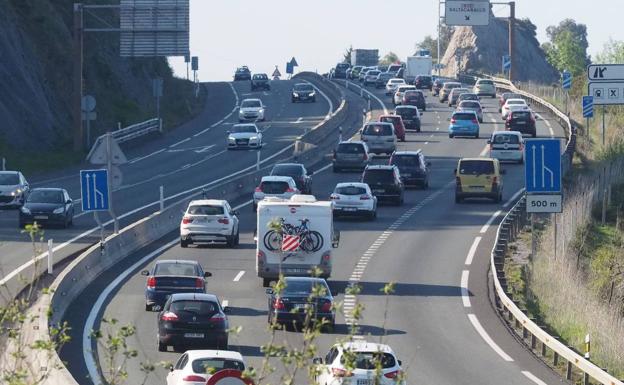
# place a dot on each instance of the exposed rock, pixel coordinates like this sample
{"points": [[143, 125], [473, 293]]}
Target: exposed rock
{"points": [[481, 49]]}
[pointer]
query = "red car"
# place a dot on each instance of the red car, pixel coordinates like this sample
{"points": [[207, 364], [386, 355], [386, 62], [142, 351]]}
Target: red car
{"points": [[397, 122]]}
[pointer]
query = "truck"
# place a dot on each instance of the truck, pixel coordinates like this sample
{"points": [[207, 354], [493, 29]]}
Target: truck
{"points": [[417, 65], [294, 237], [364, 57]]}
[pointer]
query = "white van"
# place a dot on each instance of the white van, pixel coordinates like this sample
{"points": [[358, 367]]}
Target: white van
{"points": [[294, 236]]}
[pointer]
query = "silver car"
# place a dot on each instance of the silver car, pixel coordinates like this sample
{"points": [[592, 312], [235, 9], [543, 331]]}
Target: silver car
{"points": [[244, 135], [379, 137], [351, 155], [251, 110], [471, 105], [485, 87], [13, 189]]}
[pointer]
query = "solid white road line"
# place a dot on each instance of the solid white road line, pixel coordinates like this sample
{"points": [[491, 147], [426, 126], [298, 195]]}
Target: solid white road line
{"points": [[531, 377], [550, 129], [239, 276], [484, 151], [486, 337], [146, 156], [331, 105], [465, 294], [513, 198], [180, 142], [472, 251], [383, 105], [489, 222]]}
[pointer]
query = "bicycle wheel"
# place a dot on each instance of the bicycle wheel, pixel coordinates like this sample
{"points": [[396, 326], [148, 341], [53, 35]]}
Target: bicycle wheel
{"points": [[311, 241], [317, 240], [272, 240]]}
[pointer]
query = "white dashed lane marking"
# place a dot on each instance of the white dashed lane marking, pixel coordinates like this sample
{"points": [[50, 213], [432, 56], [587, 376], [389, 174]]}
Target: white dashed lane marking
{"points": [[239, 276], [472, 251], [465, 294]]}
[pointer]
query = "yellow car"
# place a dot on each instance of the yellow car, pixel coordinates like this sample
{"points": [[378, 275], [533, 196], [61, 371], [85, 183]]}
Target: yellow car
{"points": [[478, 178]]}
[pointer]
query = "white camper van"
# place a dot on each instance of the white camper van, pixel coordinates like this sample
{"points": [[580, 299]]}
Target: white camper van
{"points": [[294, 236]]}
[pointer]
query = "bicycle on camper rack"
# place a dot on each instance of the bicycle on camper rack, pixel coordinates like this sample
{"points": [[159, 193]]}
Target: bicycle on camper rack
{"points": [[309, 240]]}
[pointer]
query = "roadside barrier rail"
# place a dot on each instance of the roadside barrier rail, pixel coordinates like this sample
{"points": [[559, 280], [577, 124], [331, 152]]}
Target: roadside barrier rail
{"points": [[131, 132]]}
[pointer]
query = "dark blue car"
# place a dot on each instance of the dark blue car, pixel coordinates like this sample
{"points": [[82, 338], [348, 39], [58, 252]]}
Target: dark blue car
{"points": [[172, 276]]}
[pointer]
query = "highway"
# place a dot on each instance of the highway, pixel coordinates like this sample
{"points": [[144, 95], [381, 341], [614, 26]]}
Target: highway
{"points": [[440, 320], [190, 156]]}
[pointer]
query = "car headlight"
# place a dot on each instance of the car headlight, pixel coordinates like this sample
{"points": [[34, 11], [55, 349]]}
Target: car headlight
{"points": [[231, 139], [295, 94], [312, 93], [16, 192], [253, 138], [25, 210], [60, 210]]}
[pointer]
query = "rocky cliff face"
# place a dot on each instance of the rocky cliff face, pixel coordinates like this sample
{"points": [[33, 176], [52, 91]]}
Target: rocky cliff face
{"points": [[36, 75], [481, 48]]}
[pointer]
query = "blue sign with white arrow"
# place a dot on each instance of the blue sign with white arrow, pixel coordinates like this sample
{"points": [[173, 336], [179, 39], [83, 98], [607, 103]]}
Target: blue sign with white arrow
{"points": [[588, 106], [94, 190], [542, 168], [506, 63], [566, 80]]}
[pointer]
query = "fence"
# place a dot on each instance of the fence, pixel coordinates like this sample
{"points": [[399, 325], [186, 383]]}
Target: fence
{"points": [[131, 132]]}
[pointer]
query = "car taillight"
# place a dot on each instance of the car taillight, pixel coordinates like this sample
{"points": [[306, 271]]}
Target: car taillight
{"points": [[326, 307], [187, 220], [521, 147], [494, 181], [453, 120], [325, 259], [199, 282], [278, 304], [217, 318], [365, 156], [261, 257], [334, 197], [169, 316], [151, 282], [290, 189], [194, 378], [393, 374], [337, 372], [364, 197], [258, 189], [224, 221], [474, 120]]}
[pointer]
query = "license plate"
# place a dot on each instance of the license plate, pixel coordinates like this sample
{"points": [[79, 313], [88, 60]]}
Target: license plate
{"points": [[302, 306], [297, 270], [41, 217], [521, 123], [367, 381], [407, 174], [194, 335], [477, 187], [349, 209], [379, 191]]}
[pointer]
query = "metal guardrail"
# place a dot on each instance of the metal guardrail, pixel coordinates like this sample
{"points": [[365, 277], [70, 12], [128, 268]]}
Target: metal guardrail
{"points": [[511, 225], [131, 132]]}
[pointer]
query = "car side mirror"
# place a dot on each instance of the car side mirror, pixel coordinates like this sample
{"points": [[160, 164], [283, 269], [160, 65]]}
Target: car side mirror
{"points": [[421, 113], [145, 272], [235, 212], [207, 274], [269, 291], [489, 141], [317, 360], [228, 132], [455, 171], [400, 362], [69, 202]]}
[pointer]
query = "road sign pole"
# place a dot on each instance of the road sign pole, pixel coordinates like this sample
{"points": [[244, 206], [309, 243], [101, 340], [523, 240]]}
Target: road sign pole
{"points": [[555, 233], [161, 193], [533, 238], [50, 256], [109, 167], [96, 217], [603, 126]]}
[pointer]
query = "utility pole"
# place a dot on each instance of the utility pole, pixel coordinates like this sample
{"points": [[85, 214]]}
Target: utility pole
{"points": [[512, 21], [77, 43], [439, 30]]}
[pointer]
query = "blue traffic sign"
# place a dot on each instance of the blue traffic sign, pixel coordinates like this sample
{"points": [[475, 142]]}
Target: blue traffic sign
{"points": [[289, 68], [506, 63], [566, 80], [542, 168], [588, 106], [293, 62], [94, 190]]}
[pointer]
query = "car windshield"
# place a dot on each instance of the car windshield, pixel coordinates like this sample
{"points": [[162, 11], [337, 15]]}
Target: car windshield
{"points": [[378, 176], [205, 210], [469, 104], [506, 138], [373, 73], [405, 160], [45, 196], [451, 85], [350, 148], [467, 96], [342, 66], [212, 365], [377, 130], [486, 82], [299, 287], [405, 88], [274, 187], [9, 179], [177, 269], [476, 167], [244, 128], [242, 69], [460, 116], [370, 360], [202, 308], [303, 87], [390, 119], [350, 190], [515, 101], [260, 77], [521, 115], [397, 81], [287, 170], [511, 96], [412, 94], [251, 103], [406, 112]]}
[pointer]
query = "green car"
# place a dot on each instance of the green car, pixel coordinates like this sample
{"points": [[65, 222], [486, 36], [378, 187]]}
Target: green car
{"points": [[355, 72]]}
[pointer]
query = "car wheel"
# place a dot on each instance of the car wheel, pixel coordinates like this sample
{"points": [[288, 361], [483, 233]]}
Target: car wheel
{"points": [[403, 139], [480, 120], [255, 207], [313, 100], [183, 243], [451, 136], [148, 307], [237, 239], [521, 161], [229, 241], [477, 135], [500, 198], [373, 215], [335, 169], [458, 199], [161, 347], [330, 327], [425, 185], [266, 282]]}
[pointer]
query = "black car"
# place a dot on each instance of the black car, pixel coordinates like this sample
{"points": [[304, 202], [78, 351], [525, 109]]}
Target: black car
{"points": [[289, 307], [172, 276], [242, 73], [192, 319], [260, 82], [385, 183], [413, 167], [521, 121], [47, 206], [400, 73], [410, 116], [298, 172], [414, 98], [437, 86], [423, 82], [303, 92], [340, 71], [382, 79]]}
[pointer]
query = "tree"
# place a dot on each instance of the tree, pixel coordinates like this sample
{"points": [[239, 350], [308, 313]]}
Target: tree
{"points": [[612, 52], [346, 57], [567, 48], [431, 43], [388, 59]]}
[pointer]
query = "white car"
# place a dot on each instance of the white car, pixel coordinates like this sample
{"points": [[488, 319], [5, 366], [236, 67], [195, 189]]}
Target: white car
{"points": [[13, 189], [366, 356], [507, 146], [516, 103], [194, 367], [274, 186], [354, 199], [485, 87], [246, 135], [398, 95], [209, 221], [251, 110], [392, 85]]}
